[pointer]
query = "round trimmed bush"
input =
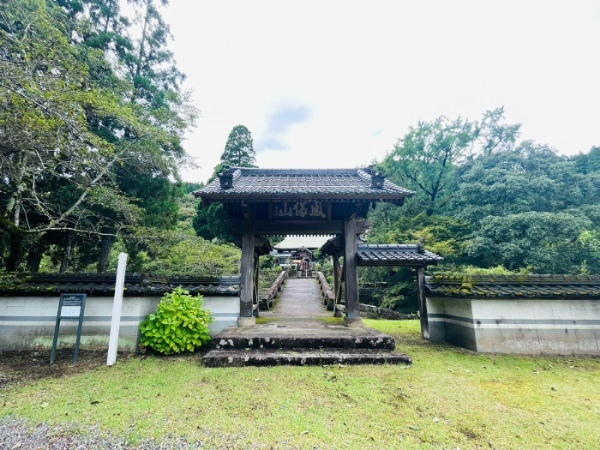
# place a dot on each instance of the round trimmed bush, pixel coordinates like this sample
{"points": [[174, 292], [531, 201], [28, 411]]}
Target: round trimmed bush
{"points": [[179, 324]]}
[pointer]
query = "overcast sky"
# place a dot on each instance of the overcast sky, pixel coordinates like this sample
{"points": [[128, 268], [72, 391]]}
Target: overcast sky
{"points": [[335, 83]]}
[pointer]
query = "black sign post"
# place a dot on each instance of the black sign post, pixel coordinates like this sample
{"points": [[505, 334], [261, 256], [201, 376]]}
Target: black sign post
{"points": [[71, 307]]}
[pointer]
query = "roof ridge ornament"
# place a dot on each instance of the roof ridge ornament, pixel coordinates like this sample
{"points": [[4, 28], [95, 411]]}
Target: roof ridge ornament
{"points": [[226, 177], [377, 180]]}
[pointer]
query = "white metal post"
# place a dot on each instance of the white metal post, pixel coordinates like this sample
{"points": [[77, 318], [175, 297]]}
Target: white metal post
{"points": [[113, 342]]}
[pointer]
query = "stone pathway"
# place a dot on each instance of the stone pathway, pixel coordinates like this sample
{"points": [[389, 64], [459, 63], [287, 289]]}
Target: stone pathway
{"points": [[296, 333], [300, 301]]}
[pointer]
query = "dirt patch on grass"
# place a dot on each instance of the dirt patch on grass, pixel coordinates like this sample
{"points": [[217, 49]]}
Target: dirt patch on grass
{"points": [[25, 367]]}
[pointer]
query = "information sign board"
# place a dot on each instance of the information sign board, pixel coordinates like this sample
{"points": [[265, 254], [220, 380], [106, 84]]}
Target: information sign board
{"points": [[70, 306]]}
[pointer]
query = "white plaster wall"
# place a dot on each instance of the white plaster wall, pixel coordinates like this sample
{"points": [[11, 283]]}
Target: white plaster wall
{"points": [[29, 322], [526, 326], [538, 326], [225, 311], [451, 321]]}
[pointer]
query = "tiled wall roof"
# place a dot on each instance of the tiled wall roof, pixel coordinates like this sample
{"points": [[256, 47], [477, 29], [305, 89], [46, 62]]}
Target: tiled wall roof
{"points": [[514, 286], [104, 285]]}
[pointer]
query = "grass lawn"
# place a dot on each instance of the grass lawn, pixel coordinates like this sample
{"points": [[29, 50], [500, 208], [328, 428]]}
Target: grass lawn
{"points": [[449, 398]]}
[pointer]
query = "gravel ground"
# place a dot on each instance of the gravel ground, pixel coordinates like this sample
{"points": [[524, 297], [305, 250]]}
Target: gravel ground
{"points": [[16, 434]]}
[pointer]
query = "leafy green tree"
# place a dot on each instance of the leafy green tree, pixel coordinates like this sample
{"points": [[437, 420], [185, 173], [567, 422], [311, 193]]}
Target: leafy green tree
{"points": [[496, 136], [543, 241], [181, 253], [426, 157], [210, 222], [154, 86], [54, 169], [589, 242], [588, 163], [239, 149], [444, 235], [530, 177], [483, 200], [71, 123], [389, 287]]}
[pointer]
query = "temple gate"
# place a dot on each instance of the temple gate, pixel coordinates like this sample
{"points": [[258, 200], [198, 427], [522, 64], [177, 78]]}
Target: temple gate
{"points": [[267, 202]]}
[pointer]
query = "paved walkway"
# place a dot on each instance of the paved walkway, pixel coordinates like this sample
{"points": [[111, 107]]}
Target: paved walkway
{"points": [[300, 300], [296, 333], [298, 315]]}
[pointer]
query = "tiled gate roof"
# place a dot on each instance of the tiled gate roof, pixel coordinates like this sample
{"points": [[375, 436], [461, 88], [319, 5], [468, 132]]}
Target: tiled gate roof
{"points": [[396, 255], [282, 184]]}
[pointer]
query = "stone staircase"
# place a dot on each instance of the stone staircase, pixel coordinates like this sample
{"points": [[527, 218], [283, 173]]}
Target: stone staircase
{"points": [[299, 332]]}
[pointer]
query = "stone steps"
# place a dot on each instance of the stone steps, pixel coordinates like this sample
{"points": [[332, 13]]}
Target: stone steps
{"points": [[301, 344], [301, 332], [301, 357], [306, 340]]}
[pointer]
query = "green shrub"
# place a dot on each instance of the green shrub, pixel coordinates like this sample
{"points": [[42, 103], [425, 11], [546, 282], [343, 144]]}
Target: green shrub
{"points": [[180, 324], [497, 270]]}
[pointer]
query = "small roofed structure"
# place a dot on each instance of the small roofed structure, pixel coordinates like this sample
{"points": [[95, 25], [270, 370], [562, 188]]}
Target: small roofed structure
{"points": [[385, 255], [311, 243], [413, 255], [298, 250], [266, 202]]}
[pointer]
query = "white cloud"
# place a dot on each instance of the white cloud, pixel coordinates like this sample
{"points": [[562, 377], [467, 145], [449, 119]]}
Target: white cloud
{"points": [[366, 71]]}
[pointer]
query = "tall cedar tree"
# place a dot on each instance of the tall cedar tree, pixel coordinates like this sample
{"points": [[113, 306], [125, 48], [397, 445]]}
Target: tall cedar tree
{"points": [[209, 222], [239, 150]]}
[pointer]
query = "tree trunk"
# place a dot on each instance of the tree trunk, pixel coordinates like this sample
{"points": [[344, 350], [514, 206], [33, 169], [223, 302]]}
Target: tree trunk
{"points": [[15, 256], [66, 258], [16, 237], [34, 256], [106, 245]]}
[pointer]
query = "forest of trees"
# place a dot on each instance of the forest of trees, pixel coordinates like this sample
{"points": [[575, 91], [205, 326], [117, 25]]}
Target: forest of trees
{"points": [[487, 202], [92, 117]]}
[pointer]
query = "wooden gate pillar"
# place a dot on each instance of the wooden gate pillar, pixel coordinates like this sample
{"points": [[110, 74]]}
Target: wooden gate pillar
{"points": [[350, 274], [422, 302], [256, 292], [337, 285], [247, 276]]}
